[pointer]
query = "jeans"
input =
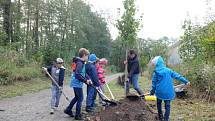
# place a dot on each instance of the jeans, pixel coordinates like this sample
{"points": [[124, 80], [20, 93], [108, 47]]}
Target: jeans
{"points": [[91, 97], [56, 94], [134, 80], [167, 109], [78, 100]]}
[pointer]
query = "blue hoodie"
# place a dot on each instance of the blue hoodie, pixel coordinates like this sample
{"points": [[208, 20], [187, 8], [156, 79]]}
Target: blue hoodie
{"points": [[162, 82]]}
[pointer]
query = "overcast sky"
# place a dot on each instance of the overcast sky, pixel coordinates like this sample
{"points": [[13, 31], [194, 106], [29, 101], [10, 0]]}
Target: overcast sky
{"points": [[160, 17]]}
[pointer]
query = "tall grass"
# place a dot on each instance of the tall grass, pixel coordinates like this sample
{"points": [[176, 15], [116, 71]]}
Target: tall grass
{"points": [[15, 67]]}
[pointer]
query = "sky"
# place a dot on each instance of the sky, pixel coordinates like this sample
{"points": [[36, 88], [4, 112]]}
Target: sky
{"points": [[160, 17]]}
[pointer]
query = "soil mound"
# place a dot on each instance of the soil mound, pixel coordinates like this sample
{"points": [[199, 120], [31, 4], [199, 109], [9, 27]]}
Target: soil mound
{"points": [[126, 110]]}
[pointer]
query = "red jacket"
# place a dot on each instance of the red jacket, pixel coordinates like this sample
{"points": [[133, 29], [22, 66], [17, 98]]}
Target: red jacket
{"points": [[101, 74]]}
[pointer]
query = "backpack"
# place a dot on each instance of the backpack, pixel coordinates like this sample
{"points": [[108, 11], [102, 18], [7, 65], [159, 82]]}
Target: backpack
{"points": [[73, 65]]}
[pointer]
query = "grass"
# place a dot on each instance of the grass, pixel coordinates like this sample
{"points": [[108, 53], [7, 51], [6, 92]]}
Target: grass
{"points": [[19, 88], [186, 109]]}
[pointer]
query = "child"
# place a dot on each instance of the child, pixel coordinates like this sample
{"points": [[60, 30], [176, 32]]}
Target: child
{"points": [[77, 80], [162, 86], [57, 72], [93, 75], [101, 74]]}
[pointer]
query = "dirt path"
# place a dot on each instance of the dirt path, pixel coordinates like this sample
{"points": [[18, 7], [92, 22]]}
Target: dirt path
{"points": [[35, 107]]}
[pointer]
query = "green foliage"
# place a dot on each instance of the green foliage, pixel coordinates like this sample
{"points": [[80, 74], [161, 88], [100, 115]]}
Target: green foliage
{"points": [[150, 48], [15, 67], [128, 25], [197, 51], [45, 30]]}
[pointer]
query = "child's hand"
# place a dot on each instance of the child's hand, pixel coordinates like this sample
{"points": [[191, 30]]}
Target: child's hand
{"points": [[188, 83], [45, 69], [60, 88], [89, 82]]}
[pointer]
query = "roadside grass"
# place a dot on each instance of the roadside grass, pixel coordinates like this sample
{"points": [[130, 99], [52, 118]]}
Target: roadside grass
{"points": [[181, 109], [19, 88]]}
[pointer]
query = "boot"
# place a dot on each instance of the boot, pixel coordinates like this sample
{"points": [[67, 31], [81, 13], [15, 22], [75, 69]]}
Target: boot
{"points": [[78, 117], [160, 117], [69, 113]]}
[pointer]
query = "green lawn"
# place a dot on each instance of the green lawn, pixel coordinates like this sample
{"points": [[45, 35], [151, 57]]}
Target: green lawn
{"points": [[189, 109]]}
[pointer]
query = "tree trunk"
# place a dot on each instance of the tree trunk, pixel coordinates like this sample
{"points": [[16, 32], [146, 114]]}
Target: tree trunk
{"points": [[7, 20], [37, 26]]}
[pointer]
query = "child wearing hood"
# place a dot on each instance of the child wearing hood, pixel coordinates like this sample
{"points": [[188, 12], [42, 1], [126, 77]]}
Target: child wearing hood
{"points": [[163, 86], [101, 74]]}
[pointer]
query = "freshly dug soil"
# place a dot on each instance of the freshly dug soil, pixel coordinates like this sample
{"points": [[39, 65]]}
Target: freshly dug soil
{"points": [[126, 110]]}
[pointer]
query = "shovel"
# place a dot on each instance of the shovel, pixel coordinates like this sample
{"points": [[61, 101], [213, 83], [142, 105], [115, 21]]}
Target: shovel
{"points": [[110, 91], [56, 84], [147, 97], [107, 100]]}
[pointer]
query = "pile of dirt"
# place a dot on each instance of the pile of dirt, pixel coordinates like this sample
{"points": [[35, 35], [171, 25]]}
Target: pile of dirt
{"points": [[126, 110]]}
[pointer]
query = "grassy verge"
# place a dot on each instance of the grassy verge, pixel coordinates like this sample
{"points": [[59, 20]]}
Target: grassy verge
{"points": [[19, 88], [187, 109]]}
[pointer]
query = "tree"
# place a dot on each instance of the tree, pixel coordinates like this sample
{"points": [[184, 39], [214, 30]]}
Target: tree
{"points": [[6, 5], [128, 25]]}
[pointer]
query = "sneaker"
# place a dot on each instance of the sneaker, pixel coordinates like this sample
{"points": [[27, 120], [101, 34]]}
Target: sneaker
{"points": [[55, 108], [89, 109], [52, 111], [69, 113], [78, 117]]}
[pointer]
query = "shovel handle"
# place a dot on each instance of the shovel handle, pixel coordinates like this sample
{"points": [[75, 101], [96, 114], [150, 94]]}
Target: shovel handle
{"points": [[99, 92], [109, 91], [56, 83]]}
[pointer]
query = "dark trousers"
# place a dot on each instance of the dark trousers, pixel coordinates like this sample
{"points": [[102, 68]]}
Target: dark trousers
{"points": [[77, 99], [164, 117]]}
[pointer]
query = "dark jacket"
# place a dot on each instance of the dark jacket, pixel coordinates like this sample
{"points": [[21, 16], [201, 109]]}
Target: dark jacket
{"points": [[79, 76], [61, 74], [79, 71], [133, 66], [92, 73]]}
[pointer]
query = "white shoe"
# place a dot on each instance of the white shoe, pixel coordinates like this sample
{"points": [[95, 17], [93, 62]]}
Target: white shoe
{"points": [[52, 111], [55, 108]]}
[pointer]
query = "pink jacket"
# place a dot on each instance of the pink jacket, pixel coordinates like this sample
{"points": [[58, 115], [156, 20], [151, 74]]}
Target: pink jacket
{"points": [[101, 74]]}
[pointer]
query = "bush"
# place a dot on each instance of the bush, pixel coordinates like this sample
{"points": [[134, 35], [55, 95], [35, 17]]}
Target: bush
{"points": [[15, 67], [201, 76]]}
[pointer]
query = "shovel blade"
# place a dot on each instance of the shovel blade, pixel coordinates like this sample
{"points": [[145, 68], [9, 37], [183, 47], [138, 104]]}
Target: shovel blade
{"points": [[110, 102], [133, 97]]}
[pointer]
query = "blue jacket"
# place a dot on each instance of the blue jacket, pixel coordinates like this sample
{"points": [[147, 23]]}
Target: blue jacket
{"points": [[92, 73], [61, 74], [79, 76], [162, 82]]}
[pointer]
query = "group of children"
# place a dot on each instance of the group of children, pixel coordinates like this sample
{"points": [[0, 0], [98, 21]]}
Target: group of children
{"points": [[88, 69]]}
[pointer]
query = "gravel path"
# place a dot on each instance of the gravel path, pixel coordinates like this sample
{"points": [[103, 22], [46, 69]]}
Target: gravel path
{"points": [[36, 106]]}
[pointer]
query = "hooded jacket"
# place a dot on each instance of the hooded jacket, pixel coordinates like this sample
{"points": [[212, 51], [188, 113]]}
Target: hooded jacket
{"points": [[79, 75], [162, 81]]}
